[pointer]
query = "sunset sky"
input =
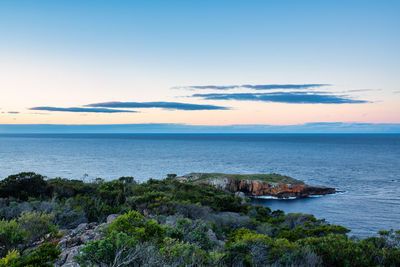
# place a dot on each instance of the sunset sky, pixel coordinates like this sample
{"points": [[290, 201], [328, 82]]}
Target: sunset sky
{"points": [[199, 62]]}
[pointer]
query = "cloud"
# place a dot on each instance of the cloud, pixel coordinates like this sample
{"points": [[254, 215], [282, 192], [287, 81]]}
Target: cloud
{"points": [[13, 112], [163, 105], [361, 90], [40, 113], [75, 109], [254, 87], [212, 87], [396, 92], [285, 97]]}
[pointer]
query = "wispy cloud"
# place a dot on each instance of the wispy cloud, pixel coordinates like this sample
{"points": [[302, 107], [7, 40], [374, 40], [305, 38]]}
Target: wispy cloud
{"points": [[361, 90], [254, 87], [163, 105], [13, 112], [77, 109], [285, 97]]}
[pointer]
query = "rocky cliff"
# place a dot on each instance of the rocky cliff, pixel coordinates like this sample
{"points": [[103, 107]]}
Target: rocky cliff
{"points": [[273, 185]]}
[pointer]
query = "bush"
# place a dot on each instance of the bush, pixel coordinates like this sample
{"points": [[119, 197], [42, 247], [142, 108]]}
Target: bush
{"points": [[338, 250], [10, 259], [309, 231], [36, 225], [103, 252], [135, 225], [11, 235], [24, 185], [246, 248], [45, 256], [226, 222], [194, 232], [177, 253], [128, 223], [64, 188], [260, 213], [384, 249], [64, 214], [95, 209], [113, 193]]}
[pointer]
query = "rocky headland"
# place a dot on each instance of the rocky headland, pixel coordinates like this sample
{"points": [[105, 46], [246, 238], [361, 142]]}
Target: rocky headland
{"points": [[258, 185]]}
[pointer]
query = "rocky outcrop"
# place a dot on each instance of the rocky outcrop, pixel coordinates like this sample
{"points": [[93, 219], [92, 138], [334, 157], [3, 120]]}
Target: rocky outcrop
{"points": [[259, 188], [74, 239]]}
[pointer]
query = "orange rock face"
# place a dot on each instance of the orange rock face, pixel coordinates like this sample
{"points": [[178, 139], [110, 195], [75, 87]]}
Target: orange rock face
{"points": [[261, 188]]}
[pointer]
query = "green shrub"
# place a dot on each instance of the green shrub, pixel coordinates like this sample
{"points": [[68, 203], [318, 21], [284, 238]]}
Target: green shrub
{"points": [[260, 213], [113, 193], [194, 232], [135, 225], [45, 256], [24, 185], [247, 248], [11, 235], [95, 209], [65, 188], [103, 252], [36, 225], [11, 258], [338, 250], [312, 231], [384, 249], [128, 223], [177, 253]]}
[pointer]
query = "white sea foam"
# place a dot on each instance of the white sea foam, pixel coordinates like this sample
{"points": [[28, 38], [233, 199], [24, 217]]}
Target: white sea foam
{"points": [[271, 197]]}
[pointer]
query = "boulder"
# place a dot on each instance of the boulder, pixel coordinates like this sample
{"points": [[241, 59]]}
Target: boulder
{"points": [[112, 217], [73, 240]]}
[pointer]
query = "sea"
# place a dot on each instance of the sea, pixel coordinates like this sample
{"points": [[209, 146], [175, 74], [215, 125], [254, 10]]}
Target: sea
{"points": [[366, 167]]}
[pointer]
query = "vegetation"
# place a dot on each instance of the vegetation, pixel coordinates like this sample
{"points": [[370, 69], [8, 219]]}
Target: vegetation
{"points": [[170, 223]]}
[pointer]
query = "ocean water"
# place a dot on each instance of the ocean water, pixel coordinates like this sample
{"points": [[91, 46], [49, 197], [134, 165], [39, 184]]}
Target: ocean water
{"points": [[366, 167]]}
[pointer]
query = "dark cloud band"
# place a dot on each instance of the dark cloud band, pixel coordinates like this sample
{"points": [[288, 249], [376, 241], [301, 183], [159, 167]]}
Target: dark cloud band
{"points": [[90, 110], [163, 105], [284, 97], [254, 87]]}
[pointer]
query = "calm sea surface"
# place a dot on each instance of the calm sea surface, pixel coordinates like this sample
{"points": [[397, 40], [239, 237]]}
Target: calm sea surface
{"points": [[366, 167]]}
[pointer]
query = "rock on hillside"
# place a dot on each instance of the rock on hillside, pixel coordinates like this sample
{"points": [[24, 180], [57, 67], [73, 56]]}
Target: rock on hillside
{"points": [[74, 239]]}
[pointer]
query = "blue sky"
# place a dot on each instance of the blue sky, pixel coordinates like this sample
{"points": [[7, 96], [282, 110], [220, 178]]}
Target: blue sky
{"points": [[60, 58]]}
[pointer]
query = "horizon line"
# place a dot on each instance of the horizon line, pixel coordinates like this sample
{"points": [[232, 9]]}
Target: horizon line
{"points": [[177, 128]]}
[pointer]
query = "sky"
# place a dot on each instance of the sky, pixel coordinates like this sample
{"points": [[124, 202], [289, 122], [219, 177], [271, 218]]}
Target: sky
{"points": [[210, 63]]}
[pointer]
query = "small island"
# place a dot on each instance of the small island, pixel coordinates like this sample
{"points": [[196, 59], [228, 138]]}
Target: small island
{"points": [[257, 185]]}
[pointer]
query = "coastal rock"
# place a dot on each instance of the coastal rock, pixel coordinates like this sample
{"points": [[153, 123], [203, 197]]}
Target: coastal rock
{"points": [[251, 186], [112, 217], [242, 196], [73, 240]]}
